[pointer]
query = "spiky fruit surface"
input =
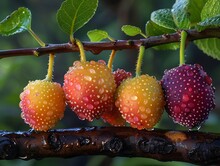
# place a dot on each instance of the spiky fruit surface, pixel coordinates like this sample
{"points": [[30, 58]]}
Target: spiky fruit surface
{"points": [[141, 101], [114, 116], [89, 89], [189, 94], [42, 104]]}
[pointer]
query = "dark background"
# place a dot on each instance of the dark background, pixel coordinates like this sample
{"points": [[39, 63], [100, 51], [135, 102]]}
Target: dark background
{"points": [[111, 15]]}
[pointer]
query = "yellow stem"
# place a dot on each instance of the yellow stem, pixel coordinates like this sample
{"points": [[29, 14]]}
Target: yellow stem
{"points": [[139, 61], [81, 50], [111, 59], [49, 76]]}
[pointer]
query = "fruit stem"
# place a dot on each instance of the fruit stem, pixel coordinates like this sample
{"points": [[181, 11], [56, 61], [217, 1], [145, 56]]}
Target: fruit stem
{"points": [[139, 61], [182, 47], [81, 50], [34, 35], [111, 59], [49, 76]]}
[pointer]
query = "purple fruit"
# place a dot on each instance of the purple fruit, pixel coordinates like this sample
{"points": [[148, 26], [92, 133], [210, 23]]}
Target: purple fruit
{"points": [[189, 95]]}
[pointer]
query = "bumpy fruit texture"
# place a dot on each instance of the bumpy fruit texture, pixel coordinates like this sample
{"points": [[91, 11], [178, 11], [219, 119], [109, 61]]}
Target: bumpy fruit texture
{"points": [[114, 116], [89, 89], [42, 104], [189, 94], [141, 101]]}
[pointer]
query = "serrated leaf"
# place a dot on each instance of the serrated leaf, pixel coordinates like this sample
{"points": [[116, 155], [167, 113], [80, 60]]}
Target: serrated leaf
{"points": [[212, 22], [131, 30], [164, 18], [74, 14], [97, 35], [152, 29], [209, 47], [16, 22], [210, 9], [186, 13]]}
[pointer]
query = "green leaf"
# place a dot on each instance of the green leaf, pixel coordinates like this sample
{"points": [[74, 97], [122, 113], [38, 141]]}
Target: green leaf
{"points": [[186, 13], [73, 14], [210, 9], [164, 18], [17, 22], [152, 29], [131, 30], [212, 22], [209, 47], [97, 35]]}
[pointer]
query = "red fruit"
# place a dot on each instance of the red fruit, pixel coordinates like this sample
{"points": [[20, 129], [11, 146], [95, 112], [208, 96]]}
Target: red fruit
{"points": [[114, 117], [120, 75], [189, 95], [141, 101], [89, 89], [42, 104]]}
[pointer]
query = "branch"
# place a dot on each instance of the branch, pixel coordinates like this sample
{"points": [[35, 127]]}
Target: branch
{"points": [[97, 47], [192, 147]]}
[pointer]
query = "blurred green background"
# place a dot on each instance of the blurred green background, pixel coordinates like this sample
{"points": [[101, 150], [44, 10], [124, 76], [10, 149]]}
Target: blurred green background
{"points": [[111, 15]]}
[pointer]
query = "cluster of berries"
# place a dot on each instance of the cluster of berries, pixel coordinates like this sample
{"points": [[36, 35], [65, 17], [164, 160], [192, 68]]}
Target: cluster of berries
{"points": [[93, 91]]}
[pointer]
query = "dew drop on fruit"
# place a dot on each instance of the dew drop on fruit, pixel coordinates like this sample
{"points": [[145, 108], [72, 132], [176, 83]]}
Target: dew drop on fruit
{"points": [[176, 109], [191, 105], [102, 62], [185, 98], [144, 116], [88, 78], [134, 98], [92, 71], [78, 86], [50, 113], [90, 106], [86, 99], [189, 73], [101, 90], [101, 81], [190, 89], [136, 119], [187, 110]]}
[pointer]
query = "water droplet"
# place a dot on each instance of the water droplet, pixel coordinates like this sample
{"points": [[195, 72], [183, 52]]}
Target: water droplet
{"points": [[187, 110], [96, 103], [101, 90], [141, 109], [148, 110], [176, 109], [105, 97], [50, 113], [134, 98], [102, 62], [191, 105], [101, 81], [117, 103], [136, 119], [86, 99], [145, 101], [190, 89], [189, 73], [144, 116], [92, 71], [78, 86], [185, 98], [76, 63], [88, 78], [90, 106]]}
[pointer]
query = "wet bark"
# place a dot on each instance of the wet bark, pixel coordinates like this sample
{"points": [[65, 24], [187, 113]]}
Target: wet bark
{"points": [[164, 145]]}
